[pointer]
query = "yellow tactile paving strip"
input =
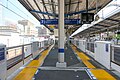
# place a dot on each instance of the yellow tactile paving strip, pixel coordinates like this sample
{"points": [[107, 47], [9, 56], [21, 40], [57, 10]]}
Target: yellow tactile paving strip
{"points": [[88, 64], [28, 72], [83, 57], [100, 74]]}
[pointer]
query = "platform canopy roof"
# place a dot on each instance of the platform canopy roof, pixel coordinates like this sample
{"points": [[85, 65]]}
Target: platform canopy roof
{"points": [[109, 21], [109, 24], [48, 9]]}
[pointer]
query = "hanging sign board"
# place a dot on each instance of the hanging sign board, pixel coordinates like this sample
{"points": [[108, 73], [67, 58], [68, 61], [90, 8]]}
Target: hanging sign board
{"points": [[55, 21]]}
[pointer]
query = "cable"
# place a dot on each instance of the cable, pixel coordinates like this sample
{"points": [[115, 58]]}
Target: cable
{"points": [[18, 8], [12, 11]]}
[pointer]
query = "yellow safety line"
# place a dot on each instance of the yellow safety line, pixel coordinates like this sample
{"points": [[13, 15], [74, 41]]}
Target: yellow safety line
{"points": [[100, 74], [82, 56], [33, 63], [88, 64], [28, 72], [85, 59]]}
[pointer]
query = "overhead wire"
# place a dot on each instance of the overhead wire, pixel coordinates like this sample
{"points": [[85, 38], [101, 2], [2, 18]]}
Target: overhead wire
{"points": [[11, 10], [16, 7], [20, 10], [16, 12]]}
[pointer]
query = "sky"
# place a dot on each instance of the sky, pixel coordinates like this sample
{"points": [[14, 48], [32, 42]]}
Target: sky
{"points": [[15, 6]]}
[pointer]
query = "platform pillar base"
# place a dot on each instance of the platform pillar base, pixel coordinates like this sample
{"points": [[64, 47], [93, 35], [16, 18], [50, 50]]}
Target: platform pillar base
{"points": [[64, 64]]}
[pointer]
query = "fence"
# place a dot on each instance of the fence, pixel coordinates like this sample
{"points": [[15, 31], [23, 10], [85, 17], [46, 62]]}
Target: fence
{"points": [[18, 56], [20, 53]]}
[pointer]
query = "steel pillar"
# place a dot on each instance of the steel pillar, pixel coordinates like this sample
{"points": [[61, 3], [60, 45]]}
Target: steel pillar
{"points": [[61, 33]]}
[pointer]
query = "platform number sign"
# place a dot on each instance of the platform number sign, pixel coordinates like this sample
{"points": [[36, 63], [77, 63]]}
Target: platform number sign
{"points": [[106, 46]]}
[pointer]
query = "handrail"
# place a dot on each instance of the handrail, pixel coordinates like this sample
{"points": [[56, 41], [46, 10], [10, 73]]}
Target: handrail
{"points": [[89, 42], [20, 51], [115, 45], [18, 46], [22, 45]]}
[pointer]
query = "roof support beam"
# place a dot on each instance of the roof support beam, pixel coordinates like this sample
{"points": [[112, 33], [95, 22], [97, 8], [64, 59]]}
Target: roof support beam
{"points": [[96, 28], [69, 6], [110, 23], [38, 7], [45, 8], [115, 20], [66, 15], [82, 11], [36, 15], [86, 6], [102, 25], [45, 13], [77, 7], [31, 7], [73, 2], [53, 7]]}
